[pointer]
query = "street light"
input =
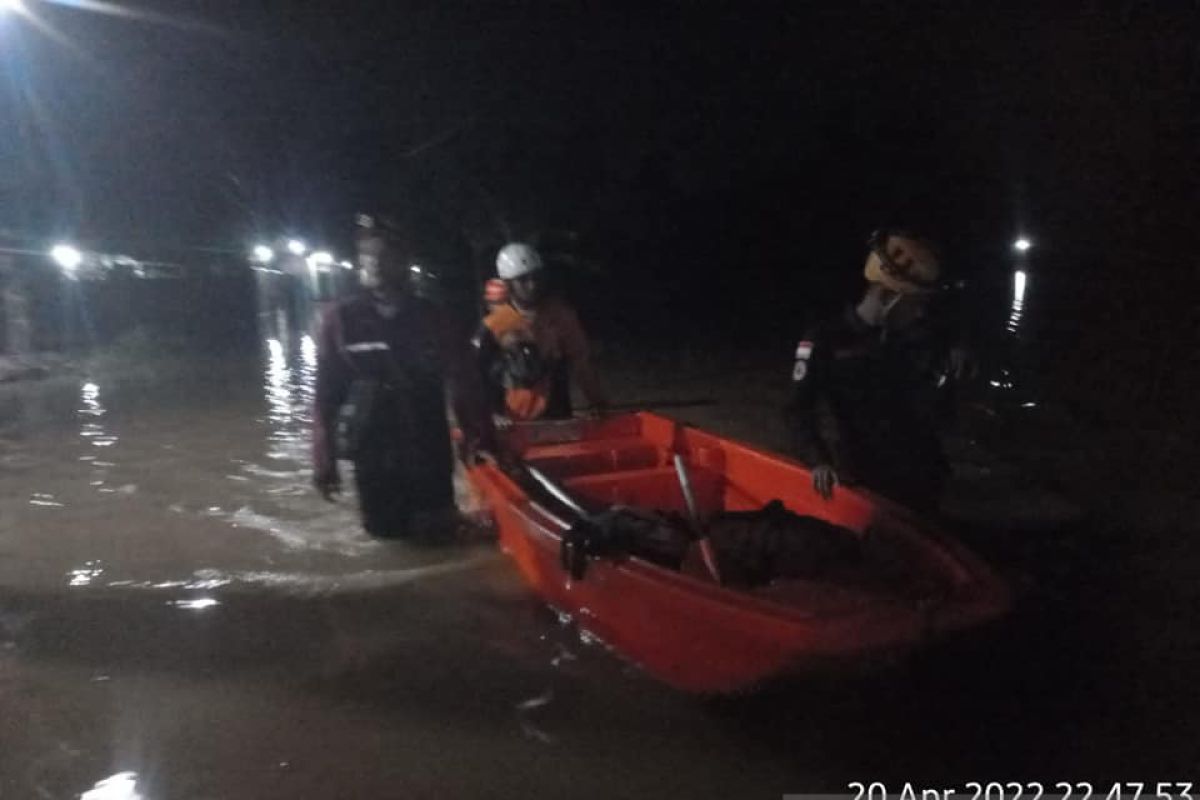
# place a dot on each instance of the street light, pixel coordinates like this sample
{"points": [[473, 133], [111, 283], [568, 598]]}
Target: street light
{"points": [[320, 260], [66, 256], [263, 254], [1022, 245], [297, 247]]}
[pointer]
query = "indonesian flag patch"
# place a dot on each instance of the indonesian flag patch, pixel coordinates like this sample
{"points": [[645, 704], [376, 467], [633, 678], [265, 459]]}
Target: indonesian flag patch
{"points": [[803, 352]]}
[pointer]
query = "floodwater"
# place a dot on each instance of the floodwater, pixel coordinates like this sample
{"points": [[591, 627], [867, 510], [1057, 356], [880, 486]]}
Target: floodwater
{"points": [[181, 617]]}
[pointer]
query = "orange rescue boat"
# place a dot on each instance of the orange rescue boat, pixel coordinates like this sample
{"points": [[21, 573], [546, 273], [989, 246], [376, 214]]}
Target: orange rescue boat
{"points": [[683, 626]]}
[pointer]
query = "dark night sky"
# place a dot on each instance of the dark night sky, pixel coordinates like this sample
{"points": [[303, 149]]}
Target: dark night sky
{"points": [[755, 132]]}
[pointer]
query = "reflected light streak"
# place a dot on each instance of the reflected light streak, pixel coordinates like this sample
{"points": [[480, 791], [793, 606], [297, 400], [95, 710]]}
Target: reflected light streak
{"points": [[196, 604], [85, 574], [140, 15], [308, 351], [90, 398], [1020, 280], [279, 395], [63, 41], [122, 786]]}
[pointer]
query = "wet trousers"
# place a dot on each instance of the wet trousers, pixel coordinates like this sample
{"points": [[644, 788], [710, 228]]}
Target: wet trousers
{"points": [[394, 491]]}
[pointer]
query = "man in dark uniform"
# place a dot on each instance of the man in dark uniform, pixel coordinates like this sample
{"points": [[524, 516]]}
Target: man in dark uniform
{"points": [[863, 404], [384, 358]]}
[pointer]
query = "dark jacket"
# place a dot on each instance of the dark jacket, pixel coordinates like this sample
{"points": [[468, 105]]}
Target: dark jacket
{"points": [[863, 401], [412, 355]]}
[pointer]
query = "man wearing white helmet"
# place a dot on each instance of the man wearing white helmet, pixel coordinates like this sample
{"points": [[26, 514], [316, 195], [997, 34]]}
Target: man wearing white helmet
{"points": [[860, 410], [531, 346]]}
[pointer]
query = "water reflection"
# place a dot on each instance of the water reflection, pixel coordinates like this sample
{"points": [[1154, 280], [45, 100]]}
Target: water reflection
{"points": [[84, 575], [122, 786], [288, 386], [308, 353], [1018, 303], [279, 394], [92, 413], [196, 603]]}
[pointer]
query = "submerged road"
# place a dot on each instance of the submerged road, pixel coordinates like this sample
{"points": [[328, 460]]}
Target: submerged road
{"points": [[181, 617]]}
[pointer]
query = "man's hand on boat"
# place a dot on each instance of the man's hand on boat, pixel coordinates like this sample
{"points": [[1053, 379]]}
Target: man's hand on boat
{"points": [[328, 484], [825, 478]]}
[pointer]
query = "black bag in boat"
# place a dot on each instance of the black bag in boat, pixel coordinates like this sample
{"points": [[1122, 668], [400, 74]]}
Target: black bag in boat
{"points": [[755, 547], [658, 537]]}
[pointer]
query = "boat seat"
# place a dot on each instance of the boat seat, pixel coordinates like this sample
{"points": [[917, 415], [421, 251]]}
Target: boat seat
{"points": [[572, 459], [656, 488]]}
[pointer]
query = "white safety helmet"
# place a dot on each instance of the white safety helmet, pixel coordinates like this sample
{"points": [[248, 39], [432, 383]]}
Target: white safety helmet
{"points": [[517, 259]]}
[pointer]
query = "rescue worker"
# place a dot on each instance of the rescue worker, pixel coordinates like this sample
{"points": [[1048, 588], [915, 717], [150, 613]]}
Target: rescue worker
{"points": [[533, 345], [383, 360], [863, 402]]}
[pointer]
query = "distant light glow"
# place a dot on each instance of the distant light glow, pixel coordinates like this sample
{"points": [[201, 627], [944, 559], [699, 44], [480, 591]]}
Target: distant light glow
{"points": [[347, 265], [416, 269], [263, 254], [995, 383], [122, 786], [196, 604], [1029, 405], [66, 256], [1022, 245], [297, 247]]}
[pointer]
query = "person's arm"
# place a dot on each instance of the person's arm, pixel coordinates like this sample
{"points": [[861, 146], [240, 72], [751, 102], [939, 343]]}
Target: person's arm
{"points": [[955, 334], [579, 356], [464, 379], [809, 378], [333, 384], [485, 351]]}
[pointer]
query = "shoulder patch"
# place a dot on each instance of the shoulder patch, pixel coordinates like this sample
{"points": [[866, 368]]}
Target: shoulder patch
{"points": [[804, 349], [800, 370]]}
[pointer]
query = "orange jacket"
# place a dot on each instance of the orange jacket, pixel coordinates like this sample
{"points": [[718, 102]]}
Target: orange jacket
{"points": [[554, 330]]}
